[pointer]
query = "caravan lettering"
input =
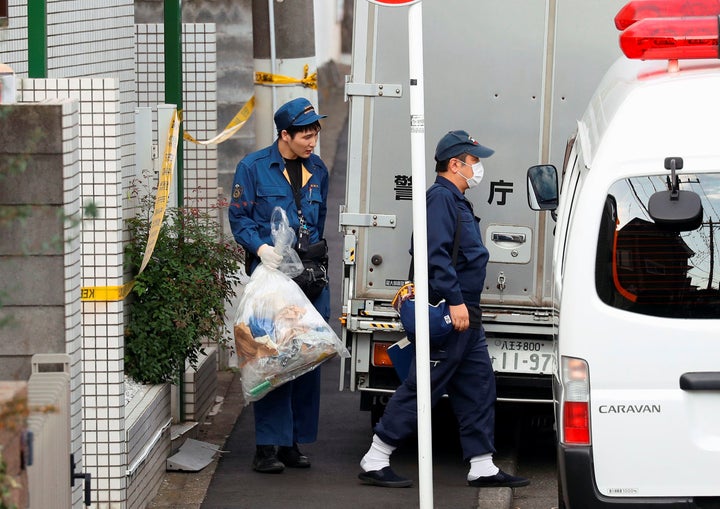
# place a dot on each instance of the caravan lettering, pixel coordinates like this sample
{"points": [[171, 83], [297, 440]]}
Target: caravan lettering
{"points": [[630, 409]]}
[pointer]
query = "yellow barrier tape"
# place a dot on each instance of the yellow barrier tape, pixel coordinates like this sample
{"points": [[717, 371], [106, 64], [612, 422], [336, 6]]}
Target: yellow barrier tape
{"points": [[267, 78], [116, 293], [233, 126], [163, 189], [106, 293]]}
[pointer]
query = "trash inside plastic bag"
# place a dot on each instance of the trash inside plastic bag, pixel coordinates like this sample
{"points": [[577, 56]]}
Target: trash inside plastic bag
{"points": [[279, 335]]}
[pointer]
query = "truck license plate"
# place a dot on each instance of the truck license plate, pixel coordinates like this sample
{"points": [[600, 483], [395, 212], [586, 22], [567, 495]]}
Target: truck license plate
{"points": [[521, 355]]}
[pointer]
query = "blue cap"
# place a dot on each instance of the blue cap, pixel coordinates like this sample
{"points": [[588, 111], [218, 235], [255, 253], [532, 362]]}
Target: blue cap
{"points": [[455, 143], [297, 112]]}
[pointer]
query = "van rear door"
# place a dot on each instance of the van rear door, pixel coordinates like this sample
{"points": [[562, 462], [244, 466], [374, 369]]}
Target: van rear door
{"points": [[654, 353]]}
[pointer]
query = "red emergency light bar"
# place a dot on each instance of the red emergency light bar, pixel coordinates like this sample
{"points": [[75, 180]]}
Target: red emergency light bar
{"points": [[641, 9], [671, 38]]}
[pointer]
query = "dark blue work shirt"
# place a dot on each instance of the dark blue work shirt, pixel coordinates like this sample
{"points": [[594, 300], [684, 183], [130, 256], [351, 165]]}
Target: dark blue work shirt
{"points": [[462, 282], [261, 183]]}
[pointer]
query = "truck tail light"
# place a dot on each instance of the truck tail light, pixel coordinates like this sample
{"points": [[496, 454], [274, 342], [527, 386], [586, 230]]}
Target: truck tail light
{"points": [[576, 403], [640, 9], [380, 356], [671, 38]]}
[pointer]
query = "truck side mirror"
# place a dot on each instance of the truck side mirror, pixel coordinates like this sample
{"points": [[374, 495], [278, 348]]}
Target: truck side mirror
{"points": [[675, 210], [542, 187]]}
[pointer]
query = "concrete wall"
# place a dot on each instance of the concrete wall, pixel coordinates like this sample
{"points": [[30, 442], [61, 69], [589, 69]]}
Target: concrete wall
{"points": [[40, 252], [34, 231]]}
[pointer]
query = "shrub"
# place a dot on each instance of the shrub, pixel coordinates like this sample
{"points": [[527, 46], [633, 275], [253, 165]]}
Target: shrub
{"points": [[178, 301]]}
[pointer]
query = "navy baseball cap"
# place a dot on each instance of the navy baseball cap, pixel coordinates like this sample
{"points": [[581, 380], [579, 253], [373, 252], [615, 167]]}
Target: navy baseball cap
{"points": [[298, 112], [455, 143]]}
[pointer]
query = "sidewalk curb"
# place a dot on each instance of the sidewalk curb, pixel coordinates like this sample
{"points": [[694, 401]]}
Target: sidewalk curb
{"points": [[498, 498], [186, 490], [495, 498]]}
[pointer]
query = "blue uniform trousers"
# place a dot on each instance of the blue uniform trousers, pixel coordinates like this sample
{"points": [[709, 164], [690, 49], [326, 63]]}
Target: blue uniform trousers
{"points": [[290, 413], [463, 370]]}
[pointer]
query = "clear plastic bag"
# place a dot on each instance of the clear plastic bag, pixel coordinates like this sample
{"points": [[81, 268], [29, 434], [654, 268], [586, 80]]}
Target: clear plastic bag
{"points": [[284, 240], [279, 335]]}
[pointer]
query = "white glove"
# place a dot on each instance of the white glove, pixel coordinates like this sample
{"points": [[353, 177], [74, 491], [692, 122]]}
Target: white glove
{"points": [[269, 257]]}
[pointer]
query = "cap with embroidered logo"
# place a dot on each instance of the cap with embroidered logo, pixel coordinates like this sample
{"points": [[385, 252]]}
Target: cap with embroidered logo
{"points": [[455, 143], [298, 112]]}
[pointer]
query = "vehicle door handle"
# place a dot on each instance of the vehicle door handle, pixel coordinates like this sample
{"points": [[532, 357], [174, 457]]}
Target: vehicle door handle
{"points": [[517, 238], [700, 381]]}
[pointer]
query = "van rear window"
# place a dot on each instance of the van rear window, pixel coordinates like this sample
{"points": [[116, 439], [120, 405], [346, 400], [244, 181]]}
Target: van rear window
{"points": [[643, 268]]}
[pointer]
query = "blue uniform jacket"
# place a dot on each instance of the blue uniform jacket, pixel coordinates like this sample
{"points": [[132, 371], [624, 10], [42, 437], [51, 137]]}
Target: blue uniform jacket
{"points": [[464, 281], [261, 184]]}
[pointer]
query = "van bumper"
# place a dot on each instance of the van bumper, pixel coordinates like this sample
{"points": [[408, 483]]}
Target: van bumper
{"points": [[577, 486]]}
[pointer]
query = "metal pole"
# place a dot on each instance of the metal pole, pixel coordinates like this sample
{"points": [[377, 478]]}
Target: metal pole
{"points": [[273, 59], [422, 344], [37, 38], [173, 95], [283, 43], [173, 78]]}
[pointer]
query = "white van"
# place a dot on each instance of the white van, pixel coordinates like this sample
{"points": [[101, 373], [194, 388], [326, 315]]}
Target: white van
{"points": [[636, 281]]}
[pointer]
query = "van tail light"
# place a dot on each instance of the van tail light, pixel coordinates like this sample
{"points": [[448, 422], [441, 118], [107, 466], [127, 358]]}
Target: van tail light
{"points": [[576, 423], [576, 402], [640, 9]]}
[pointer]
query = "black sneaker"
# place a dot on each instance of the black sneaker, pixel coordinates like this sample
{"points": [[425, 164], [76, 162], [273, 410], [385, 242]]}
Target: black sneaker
{"points": [[499, 480], [385, 478], [266, 460], [292, 457]]}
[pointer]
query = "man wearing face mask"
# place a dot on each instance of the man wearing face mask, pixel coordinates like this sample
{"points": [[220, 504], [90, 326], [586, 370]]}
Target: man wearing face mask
{"points": [[461, 366]]}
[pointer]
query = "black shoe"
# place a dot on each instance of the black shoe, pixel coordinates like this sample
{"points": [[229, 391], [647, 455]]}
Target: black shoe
{"points": [[292, 457], [266, 460], [385, 478], [499, 480]]}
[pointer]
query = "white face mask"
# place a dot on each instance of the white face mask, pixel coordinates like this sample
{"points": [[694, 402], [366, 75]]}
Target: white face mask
{"points": [[478, 172]]}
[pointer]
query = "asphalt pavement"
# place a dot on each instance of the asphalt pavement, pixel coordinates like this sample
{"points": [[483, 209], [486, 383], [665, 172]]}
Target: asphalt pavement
{"points": [[229, 482]]}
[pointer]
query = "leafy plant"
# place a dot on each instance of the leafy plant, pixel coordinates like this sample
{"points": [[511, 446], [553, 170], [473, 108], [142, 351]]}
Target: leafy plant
{"points": [[7, 485], [178, 301], [12, 418]]}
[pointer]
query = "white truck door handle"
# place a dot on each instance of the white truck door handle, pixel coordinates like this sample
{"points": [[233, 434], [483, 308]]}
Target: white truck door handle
{"points": [[515, 238]]}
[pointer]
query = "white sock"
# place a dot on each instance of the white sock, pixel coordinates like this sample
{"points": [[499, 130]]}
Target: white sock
{"points": [[378, 456], [482, 466]]}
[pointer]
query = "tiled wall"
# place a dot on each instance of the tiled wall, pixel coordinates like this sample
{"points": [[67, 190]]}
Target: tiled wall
{"points": [[148, 443], [73, 275], [102, 265], [199, 101], [92, 58], [85, 38]]}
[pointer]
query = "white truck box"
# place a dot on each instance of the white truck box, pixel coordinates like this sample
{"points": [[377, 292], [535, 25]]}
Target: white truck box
{"points": [[515, 74]]}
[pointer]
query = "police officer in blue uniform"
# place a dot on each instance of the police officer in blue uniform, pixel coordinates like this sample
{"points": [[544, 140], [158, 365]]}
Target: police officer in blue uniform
{"points": [[460, 366], [286, 174]]}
